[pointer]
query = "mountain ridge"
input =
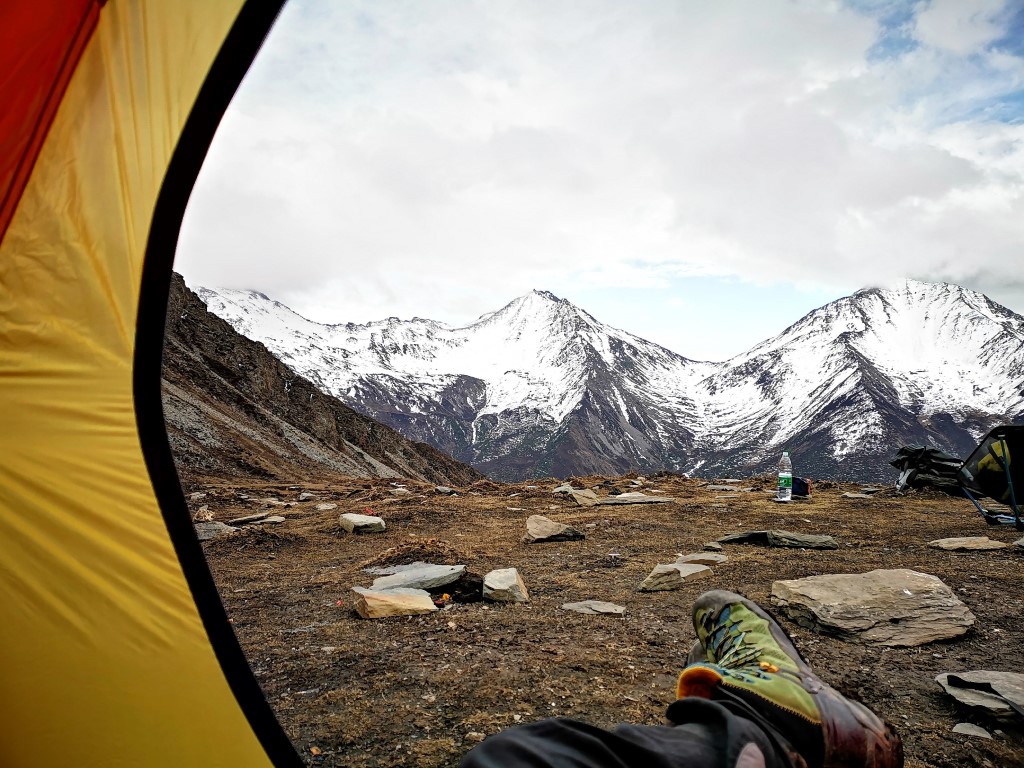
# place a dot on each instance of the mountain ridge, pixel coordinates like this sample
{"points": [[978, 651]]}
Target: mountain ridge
{"points": [[541, 387]]}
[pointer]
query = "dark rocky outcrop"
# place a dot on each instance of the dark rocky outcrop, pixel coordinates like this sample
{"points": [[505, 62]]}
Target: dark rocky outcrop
{"points": [[234, 410]]}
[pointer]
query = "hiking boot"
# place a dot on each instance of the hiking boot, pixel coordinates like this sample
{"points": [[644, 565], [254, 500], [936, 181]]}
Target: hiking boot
{"points": [[742, 653]]}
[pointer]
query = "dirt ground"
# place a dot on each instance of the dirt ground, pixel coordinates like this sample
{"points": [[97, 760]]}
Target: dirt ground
{"points": [[420, 691]]}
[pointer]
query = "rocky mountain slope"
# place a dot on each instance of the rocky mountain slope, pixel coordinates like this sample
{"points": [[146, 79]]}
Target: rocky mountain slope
{"points": [[234, 411], [541, 387]]}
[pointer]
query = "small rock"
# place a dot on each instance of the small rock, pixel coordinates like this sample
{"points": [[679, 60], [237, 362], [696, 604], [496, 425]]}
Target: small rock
{"points": [[564, 488], [585, 498], [444, 490], [380, 604], [634, 497], [327, 505], [269, 520], [505, 585], [248, 519], [849, 495], [306, 496], [212, 530], [475, 737], [666, 577], [401, 491], [354, 523], [870, 491], [426, 576], [594, 607], [1019, 543], [197, 495], [702, 558], [730, 488], [967, 543], [969, 729], [540, 529], [713, 546]]}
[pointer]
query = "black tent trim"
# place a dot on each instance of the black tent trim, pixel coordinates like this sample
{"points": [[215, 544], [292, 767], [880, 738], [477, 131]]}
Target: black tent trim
{"points": [[232, 62]]}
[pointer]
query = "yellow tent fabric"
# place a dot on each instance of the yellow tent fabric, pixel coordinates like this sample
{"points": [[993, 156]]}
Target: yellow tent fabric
{"points": [[105, 657]]}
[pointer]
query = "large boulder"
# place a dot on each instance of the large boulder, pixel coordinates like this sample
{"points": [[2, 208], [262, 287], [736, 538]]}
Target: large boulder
{"points": [[886, 607], [540, 529]]}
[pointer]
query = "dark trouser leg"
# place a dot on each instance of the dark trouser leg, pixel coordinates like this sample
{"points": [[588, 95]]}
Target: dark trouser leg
{"points": [[709, 735]]}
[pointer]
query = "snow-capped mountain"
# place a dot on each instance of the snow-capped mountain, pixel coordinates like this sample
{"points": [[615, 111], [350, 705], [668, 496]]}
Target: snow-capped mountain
{"points": [[540, 387]]}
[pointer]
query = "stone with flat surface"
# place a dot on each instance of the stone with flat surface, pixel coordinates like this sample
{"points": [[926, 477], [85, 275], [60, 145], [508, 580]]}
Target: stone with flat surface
{"points": [[634, 497], [212, 530], [673, 576], [541, 529], [967, 543], [594, 607], [703, 558], [425, 576], [985, 689], [779, 538], [354, 523], [970, 729], [898, 607], [380, 604], [248, 519]]}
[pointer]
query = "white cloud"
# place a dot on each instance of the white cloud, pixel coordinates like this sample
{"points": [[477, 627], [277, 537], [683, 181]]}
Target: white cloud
{"points": [[434, 159]]}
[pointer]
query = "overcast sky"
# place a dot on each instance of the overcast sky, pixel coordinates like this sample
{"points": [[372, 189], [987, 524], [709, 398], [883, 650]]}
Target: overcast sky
{"points": [[699, 173]]}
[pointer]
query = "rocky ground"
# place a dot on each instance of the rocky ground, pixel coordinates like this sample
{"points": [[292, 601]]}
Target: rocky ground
{"points": [[420, 691]]}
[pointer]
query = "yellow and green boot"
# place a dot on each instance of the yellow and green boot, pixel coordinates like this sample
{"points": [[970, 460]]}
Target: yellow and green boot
{"points": [[742, 653]]}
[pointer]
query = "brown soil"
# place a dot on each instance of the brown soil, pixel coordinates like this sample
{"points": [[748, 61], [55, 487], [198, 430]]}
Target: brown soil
{"points": [[420, 691]]}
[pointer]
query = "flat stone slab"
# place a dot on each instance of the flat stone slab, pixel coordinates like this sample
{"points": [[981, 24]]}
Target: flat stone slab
{"points": [[327, 505], [1019, 543], [730, 488], [849, 495], [967, 543], [703, 558], [564, 488], [541, 529], [354, 523], [212, 530], [380, 604], [595, 607], [269, 520], [712, 546], [505, 585], [896, 607], [778, 538], [970, 729], [425, 576], [673, 576], [444, 490], [997, 692], [634, 497], [246, 519]]}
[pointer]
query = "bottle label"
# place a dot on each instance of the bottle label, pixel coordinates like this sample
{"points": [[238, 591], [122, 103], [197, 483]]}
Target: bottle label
{"points": [[785, 481]]}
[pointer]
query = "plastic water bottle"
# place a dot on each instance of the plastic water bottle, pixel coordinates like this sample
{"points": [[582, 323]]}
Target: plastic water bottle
{"points": [[785, 478]]}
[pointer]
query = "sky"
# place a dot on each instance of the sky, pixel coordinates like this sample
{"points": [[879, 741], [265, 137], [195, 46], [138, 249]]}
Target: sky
{"points": [[699, 174]]}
